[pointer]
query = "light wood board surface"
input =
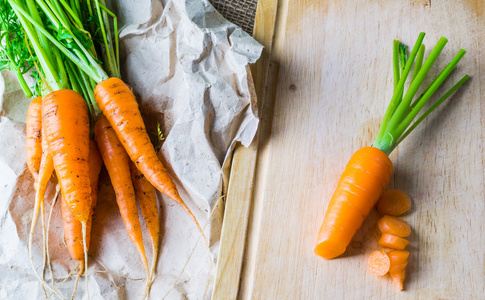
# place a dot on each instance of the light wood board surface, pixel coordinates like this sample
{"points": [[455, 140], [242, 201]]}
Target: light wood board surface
{"points": [[323, 84]]}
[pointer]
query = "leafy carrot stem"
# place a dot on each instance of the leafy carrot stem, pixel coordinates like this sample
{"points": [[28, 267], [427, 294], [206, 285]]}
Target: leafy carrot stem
{"points": [[402, 110]]}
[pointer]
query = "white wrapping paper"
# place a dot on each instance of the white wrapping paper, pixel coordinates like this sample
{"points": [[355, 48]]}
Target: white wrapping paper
{"points": [[188, 68]]}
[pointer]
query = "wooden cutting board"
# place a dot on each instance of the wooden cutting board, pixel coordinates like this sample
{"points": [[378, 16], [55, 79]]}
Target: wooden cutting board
{"points": [[323, 83]]}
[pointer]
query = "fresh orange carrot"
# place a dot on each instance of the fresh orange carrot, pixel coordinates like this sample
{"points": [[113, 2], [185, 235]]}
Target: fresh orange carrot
{"points": [[65, 125], [393, 203], [73, 235], [33, 136], [399, 261], [117, 163], [45, 172], [394, 226], [356, 194], [392, 241], [369, 170], [379, 263], [66, 128], [145, 193], [119, 105], [72, 227]]}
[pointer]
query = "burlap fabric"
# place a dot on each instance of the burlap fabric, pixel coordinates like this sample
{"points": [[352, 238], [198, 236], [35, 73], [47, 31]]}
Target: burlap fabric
{"points": [[239, 12]]}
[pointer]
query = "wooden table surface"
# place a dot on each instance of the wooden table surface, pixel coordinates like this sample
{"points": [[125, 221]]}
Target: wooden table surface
{"points": [[323, 84]]}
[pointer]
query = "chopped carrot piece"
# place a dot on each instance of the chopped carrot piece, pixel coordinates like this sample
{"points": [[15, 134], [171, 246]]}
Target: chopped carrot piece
{"points": [[393, 242], [379, 263], [393, 203], [394, 226], [398, 278], [399, 260]]}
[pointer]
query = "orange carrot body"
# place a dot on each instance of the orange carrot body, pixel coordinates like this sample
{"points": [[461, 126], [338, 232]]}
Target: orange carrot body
{"points": [[379, 263], [394, 226], [72, 227], [66, 129], [366, 176], [119, 105], [392, 241], [33, 130], [393, 203], [117, 163]]}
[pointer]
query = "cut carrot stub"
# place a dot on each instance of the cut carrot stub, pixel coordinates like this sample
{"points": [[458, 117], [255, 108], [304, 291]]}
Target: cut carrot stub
{"points": [[394, 226], [393, 203], [398, 278], [379, 263], [392, 241]]}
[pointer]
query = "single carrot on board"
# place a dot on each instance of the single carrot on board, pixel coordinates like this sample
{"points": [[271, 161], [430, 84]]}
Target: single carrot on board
{"points": [[33, 136], [393, 203], [119, 105], [117, 161], [392, 241], [399, 261], [145, 193], [379, 263], [369, 170], [394, 226], [356, 194]]}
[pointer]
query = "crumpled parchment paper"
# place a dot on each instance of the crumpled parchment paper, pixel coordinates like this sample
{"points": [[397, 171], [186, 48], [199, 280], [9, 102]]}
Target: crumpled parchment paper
{"points": [[188, 68]]}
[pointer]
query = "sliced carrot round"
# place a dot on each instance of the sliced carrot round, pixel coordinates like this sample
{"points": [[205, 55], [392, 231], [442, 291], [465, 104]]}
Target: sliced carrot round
{"points": [[379, 263], [393, 203], [394, 226], [392, 241]]}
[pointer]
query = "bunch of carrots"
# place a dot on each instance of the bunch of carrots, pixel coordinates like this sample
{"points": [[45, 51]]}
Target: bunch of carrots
{"points": [[84, 115], [369, 170]]}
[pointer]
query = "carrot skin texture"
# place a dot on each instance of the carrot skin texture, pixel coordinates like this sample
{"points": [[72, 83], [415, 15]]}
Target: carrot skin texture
{"points": [[147, 199], [365, 178], [119, 105], [393, 203], [392, 241], [73, 228], [394, 226], [66, 128], [116, 161], [33, 130]]}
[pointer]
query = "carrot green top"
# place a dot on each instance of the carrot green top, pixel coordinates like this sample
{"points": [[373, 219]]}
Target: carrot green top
{"points": [[402, 110], [60, 41]]}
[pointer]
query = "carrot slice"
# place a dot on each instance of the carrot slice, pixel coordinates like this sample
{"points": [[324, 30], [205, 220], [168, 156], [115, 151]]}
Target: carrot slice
{"points": [[393, 203], [393, 242], [394, 226], [379, 263]]}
